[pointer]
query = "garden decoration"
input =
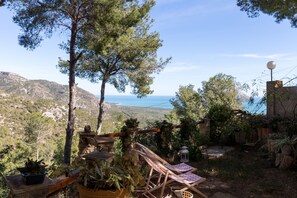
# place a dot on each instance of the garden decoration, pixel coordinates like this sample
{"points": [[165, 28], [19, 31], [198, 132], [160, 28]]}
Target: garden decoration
{"points": [[184, 154]]}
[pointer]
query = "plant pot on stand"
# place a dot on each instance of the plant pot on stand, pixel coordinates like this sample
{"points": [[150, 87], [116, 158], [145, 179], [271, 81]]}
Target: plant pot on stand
{"points": [[108, 179], [32, 178], [85, 192], [34, 172]]}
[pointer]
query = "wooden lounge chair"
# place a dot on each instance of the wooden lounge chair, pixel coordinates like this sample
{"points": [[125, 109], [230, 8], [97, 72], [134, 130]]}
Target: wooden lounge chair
{"points": [[177, 168], [188, 179]]}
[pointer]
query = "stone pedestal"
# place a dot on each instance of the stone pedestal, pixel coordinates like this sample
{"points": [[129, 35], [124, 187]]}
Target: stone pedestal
{"points": [[104, 144], [87, 143]]}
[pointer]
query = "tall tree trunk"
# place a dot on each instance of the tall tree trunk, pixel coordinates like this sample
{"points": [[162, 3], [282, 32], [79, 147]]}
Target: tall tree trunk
{"points": [[72, 94], [37, 153], [37, 144], [101, 108]]}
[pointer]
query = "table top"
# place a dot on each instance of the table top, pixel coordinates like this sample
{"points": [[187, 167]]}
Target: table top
{"points": [[103, 155], [104, 140], [16, 184]]}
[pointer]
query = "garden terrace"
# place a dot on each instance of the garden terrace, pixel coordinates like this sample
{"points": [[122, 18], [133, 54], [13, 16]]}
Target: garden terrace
{"points": [[239, 174]]}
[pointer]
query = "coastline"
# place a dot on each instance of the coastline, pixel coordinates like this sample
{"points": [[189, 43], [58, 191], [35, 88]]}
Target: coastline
{"points": [[156, 102]]}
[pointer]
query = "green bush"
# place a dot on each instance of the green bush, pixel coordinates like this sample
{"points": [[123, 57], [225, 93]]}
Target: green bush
{"points": [[220, 117]]}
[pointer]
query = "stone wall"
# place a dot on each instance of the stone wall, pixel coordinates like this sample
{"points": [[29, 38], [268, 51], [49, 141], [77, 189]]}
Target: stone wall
{"points": [[281, 101]]}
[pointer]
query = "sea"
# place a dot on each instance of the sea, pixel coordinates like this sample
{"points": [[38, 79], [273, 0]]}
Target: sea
{"points": [[163, 102]]}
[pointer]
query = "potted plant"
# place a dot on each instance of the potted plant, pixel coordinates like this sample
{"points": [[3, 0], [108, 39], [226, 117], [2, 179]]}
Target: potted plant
{"points": [[33, 172], [99, 178]]}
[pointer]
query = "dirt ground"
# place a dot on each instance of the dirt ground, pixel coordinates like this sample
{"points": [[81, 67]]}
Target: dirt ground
{"points": [[248, 173], [243, 174]]}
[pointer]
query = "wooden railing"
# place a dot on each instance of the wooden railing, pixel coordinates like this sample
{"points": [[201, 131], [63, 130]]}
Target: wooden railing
{"points": [[113, 135], [139, 131], [63, 181]]}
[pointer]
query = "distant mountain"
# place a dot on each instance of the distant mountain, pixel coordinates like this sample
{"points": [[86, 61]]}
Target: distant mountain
{"points": [[42, 89]]}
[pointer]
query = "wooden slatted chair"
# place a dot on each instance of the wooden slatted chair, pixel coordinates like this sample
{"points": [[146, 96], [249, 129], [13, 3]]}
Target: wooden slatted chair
{"points": [[188, 179], [177, 168]]}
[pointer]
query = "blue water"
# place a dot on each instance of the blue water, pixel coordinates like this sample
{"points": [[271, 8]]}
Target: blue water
{"points": [[164, 103], [149, 101], [255, 108]]}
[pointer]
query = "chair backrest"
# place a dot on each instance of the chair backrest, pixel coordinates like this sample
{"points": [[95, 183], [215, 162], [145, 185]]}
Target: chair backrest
{"points": [[189, 179], [150, 153], [153, 163], [159, 167]]}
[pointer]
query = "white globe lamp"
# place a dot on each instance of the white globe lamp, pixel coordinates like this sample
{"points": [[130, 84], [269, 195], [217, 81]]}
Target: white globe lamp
{"points": [[271, 65]]}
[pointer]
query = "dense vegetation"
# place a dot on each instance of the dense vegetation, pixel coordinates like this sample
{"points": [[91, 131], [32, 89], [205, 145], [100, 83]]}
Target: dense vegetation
{"points": [[39, 123]]}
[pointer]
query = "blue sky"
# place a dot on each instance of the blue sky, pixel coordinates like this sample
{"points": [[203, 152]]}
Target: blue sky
{"points": [[202, 37]]}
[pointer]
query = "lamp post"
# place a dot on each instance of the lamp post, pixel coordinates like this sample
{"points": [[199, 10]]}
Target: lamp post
{"points": [[271, 65]]}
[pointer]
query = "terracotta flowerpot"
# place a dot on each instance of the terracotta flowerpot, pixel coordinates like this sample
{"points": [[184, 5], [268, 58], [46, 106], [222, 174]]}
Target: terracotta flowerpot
{"points": [[85, 192]]}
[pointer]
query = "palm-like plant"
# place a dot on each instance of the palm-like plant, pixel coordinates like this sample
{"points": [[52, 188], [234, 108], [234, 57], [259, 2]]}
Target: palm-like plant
{"points": [[122, 172], [33, 167]]}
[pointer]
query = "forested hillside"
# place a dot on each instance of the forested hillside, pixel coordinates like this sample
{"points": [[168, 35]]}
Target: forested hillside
{"points": [[33, 118], [42, 89]]}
